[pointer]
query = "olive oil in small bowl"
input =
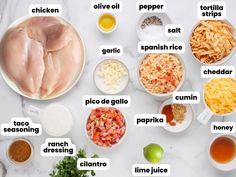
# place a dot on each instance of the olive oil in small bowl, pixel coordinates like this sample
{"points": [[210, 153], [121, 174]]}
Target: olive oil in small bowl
{"points": [[107, 23]]}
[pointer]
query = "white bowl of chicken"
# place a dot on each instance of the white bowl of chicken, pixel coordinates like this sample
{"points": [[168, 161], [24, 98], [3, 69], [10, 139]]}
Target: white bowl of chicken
{"points": [[41, 57]]}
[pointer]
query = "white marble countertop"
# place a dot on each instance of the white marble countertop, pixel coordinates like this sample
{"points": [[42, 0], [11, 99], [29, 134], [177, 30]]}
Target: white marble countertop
{"points": [[185, 152]]}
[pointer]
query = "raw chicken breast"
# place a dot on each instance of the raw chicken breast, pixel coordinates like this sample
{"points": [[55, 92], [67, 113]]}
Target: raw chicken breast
{"points": [[61, 67], [50, 31], [42, 55], [37, 27], [58, 36], [22, 60]]}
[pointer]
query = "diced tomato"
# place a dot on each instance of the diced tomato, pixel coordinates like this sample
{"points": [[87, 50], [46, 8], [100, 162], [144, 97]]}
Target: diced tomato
{"points": [[172, 123], [158, 68], [119, 121], [98, 115], [154, 81], [172, 81], [167, 78], [106, 126], [96, 136]]}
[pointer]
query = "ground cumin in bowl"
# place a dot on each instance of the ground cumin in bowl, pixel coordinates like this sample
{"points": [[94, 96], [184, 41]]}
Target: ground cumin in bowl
{"points": [[20, 151]]}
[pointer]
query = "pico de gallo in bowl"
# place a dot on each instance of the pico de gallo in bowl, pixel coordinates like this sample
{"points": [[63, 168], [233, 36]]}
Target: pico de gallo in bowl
{"points": [[106, 126]]}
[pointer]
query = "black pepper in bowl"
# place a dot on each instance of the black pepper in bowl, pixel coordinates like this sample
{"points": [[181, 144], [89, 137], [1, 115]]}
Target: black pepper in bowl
{"points": [[152, 20]]}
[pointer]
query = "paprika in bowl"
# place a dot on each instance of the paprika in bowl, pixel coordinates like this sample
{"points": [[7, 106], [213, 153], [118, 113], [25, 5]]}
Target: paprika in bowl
{"points": [[178, 116], [20, 151]]}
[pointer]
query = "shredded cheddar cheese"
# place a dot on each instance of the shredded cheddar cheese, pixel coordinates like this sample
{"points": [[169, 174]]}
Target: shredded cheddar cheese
{"points": [[220, 95]]}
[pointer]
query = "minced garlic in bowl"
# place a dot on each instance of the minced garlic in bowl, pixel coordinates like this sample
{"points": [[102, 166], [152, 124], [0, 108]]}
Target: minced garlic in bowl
{"points": [[111, 76]]}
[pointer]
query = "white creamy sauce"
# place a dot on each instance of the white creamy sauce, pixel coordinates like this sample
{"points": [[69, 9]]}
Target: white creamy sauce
{"points": [[57, 120]]}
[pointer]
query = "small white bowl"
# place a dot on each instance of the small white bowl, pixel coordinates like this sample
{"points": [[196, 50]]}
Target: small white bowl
{"points": [[113, 29], [223, 60], [185, 124], [20, 163], [43, 116], [162, 97], [220, 166], [99, 81], [165, 21], [114, 145]]}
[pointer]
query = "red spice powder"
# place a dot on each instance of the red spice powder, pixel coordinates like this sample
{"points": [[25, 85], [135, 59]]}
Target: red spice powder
{"points": [[167, 110]]}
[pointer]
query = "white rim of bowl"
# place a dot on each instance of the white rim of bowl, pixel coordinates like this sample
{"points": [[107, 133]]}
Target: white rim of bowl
{"points": [[76, 80], [212, 161], [223, 60], [115, 60], [113, 29], [166, 94], [171, 102], [114, 145], [31, 155]]}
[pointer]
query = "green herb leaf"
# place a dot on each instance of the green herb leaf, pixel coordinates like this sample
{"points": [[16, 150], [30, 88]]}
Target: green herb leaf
{"points": [[68, 166]]}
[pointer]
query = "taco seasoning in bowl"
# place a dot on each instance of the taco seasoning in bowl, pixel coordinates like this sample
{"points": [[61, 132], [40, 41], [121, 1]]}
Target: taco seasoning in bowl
{"points": [[161, 74], [20, 151]]}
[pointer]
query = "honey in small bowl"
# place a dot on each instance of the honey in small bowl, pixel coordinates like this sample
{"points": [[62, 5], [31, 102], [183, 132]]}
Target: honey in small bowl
{"points": [[107, 23], [223, 150]]}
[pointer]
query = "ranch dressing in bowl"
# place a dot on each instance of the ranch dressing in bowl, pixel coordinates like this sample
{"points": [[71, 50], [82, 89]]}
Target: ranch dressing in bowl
{"points": [[56, 120]]}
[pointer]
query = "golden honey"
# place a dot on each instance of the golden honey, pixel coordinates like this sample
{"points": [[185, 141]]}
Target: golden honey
{"points": [[223, 150]]}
